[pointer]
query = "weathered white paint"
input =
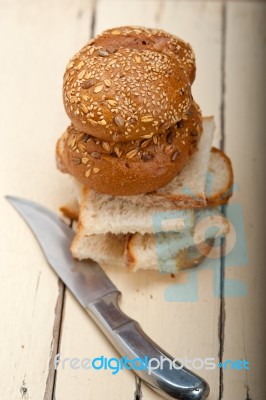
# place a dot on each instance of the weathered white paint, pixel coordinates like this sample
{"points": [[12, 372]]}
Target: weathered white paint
{"points": [[245, 121], [36, 41], [39, 38]]}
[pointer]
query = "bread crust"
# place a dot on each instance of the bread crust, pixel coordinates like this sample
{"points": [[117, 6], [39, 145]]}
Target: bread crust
{"points": [[141, 38], [183, 260], [224, 194], [127, 94], [130, 168]]}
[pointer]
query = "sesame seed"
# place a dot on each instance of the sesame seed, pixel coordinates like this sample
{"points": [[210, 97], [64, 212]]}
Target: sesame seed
{"points": [[81, 74], [87, 173], [102, 122], [84, 108]]}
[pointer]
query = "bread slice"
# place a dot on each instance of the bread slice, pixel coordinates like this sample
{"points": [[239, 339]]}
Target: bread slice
{"points": [[106, 249], [220, 178], [111, 251], [175, 250], [165, 251]]}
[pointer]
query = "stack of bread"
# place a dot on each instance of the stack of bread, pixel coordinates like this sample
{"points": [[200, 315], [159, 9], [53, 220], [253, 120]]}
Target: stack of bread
{"points": [[140, 153]]}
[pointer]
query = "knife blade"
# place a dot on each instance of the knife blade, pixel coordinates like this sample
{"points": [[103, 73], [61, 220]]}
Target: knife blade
{"points": [[99, 296]]}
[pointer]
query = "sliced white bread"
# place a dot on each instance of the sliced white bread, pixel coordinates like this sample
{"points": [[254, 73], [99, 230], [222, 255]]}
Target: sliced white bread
{"points": [[111, 251], [174, 250], [220, 178], [165, 252], [106, 249]]}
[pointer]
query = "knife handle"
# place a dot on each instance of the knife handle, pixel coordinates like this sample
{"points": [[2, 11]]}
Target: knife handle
{"points": [[130, 340]]}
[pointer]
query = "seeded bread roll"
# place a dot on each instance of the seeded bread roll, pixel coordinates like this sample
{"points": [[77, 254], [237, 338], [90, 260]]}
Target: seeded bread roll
{"points": [[124, 94], [130, 168], [136, 37]]}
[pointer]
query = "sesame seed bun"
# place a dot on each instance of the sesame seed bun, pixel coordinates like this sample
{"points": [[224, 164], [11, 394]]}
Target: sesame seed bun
{"points": [[124, 94], [133, 167], [137, 37]]}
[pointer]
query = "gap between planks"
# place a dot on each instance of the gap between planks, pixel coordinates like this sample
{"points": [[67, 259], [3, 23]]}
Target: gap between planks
{"points": [[222, 314]]}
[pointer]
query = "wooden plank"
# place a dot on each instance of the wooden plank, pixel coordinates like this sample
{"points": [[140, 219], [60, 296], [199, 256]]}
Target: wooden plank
{"points": [[245, 122], [37, 39], [182, 328]]}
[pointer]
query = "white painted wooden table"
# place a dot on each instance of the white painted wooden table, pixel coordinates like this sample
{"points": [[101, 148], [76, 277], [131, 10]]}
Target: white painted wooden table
{"points": [[39, 318]]}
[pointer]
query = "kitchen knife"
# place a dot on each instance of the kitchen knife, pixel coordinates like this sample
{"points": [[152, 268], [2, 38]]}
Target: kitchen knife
{"points": [[99, 296]]}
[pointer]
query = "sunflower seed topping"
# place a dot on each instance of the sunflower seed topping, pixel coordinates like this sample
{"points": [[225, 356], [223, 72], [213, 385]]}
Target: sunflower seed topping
{"points": [[147, 157], [169, 138], [82, 147], [103, 53], [111, 50], [145, 143], [106, 146], [119, 121], [76, 160], [88, 84], [117, 151], [96, 154], [175, 155]]}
